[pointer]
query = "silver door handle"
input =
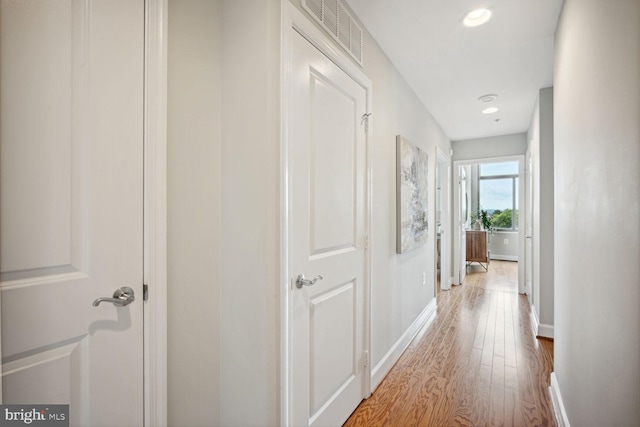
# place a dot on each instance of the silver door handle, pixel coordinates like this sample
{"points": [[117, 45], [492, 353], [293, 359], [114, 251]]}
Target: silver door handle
{"points": [[121, 297], [301, 281]]}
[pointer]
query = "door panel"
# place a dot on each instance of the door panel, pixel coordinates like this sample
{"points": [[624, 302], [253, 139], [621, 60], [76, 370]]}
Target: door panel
{"points": [[333, 167], [71, 153], [36, 118], [327, 156], [332, 353]]}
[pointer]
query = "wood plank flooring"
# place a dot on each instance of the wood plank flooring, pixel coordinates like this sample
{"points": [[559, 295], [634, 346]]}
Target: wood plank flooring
{"points": [[477, 364]]}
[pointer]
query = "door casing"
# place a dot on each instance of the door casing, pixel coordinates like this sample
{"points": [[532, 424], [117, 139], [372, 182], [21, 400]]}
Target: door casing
{"points": [[458, 238], [443, 168], [155, 212]]}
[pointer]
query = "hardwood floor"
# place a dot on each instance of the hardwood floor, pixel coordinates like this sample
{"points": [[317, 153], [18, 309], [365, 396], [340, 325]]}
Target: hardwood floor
{"points": [[477, 364]]}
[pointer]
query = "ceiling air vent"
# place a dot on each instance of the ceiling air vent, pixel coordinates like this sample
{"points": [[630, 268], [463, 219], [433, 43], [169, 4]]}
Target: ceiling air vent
{"points": [[333, 16]]}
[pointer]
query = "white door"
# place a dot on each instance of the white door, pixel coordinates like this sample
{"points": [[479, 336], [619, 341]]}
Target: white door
{"points": [[71, 218], [465, 206], [327, 158]]}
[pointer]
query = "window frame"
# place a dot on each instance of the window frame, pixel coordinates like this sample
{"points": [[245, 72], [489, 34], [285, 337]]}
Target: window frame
{"points": [[514, 193]]}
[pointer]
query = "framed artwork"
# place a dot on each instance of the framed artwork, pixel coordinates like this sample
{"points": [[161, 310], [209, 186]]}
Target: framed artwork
{"points": [[411, 196]]}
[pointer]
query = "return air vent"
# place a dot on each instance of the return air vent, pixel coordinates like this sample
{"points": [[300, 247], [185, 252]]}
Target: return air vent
{"points": [[333, 16]]}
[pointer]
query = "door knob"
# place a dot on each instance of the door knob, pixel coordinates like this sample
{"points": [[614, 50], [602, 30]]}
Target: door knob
{"points": [[121, 297], [301, 281]]}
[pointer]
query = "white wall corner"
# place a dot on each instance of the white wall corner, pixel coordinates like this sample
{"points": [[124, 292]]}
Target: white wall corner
{"points": [[540, 329], [558, 405], [388, 360]]}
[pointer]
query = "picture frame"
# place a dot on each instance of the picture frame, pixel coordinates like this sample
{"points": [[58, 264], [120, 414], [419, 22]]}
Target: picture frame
{"points": [[411, 195]]}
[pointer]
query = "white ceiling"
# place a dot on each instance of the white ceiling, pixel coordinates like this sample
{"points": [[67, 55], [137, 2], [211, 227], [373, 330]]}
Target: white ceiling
{"points": [[449, 66]]}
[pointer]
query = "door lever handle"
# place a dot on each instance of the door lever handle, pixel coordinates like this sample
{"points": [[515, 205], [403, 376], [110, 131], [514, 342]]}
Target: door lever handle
{"points": [[301, 281], [121, 297]]}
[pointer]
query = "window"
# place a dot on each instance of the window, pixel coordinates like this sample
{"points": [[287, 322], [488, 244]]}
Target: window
{"points": [[499, 194]]}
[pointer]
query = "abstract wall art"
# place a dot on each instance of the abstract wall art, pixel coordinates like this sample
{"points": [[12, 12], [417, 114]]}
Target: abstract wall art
{"points": [[411, 196]]}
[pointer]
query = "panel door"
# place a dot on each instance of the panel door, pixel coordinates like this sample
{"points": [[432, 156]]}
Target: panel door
{"points": [[327, 157], [71, 206]]}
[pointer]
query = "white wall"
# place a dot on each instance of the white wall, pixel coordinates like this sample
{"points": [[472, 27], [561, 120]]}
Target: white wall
{"points": [[495, 146], [504, 245], [398, 295], [250, 299], [540, 138], [194, 223], [597, 207], [223, 212]]}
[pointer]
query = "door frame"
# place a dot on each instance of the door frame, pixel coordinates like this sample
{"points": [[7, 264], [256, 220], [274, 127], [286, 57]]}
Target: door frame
{"points": [[294, 20], [528, 252], [155, 212], [443, 160], [457, 221]]}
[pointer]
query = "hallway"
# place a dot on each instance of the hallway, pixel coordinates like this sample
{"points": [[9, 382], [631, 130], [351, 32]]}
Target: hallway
{"points": [[476, 364]]}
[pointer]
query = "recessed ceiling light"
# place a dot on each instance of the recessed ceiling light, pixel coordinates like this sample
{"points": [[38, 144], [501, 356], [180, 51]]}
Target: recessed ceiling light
{"points": [[477, 17], [489, 110], [488, 98]]}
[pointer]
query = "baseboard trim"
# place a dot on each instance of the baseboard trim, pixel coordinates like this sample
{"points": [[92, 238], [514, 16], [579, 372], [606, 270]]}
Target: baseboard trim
{"points": [[388, 360], [540, 329], [504, 257], [534, 320], [545, 331], [558, 404]]}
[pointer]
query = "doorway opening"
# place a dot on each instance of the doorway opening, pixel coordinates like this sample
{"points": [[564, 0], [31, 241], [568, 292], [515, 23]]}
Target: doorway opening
{"points": [[489, 197]]}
